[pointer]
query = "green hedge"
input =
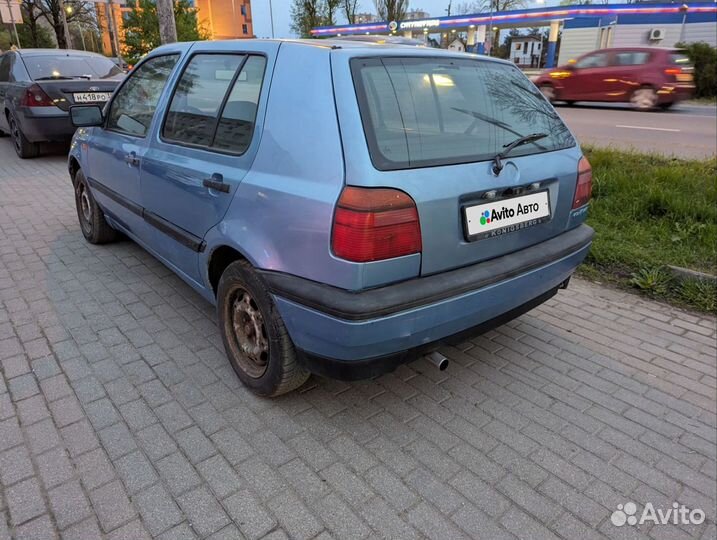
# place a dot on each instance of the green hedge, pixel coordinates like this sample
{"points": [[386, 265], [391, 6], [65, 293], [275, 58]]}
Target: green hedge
{"points": [[704, 57]]}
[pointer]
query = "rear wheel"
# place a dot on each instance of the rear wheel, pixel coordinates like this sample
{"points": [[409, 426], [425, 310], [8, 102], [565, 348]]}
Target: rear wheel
{"points": [[24, 148], [94, 226], [548, 90], [644, 99], [255, 338]]}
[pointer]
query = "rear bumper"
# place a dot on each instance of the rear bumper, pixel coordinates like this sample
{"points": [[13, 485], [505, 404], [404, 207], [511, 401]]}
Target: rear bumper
{"points": [[675, 92], [45, 124], [351, 335]]}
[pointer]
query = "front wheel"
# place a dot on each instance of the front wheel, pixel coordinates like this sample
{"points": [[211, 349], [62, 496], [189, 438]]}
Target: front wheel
{"points": [[255, 338], [644, 99], [94, 226]]}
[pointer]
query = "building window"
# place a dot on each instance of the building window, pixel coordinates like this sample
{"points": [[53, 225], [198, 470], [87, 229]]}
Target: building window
{"points": [[244, 29], [517, 46], [243, 10]]}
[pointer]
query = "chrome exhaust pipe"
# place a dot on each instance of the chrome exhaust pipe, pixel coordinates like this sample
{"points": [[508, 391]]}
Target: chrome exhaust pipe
{"points": [[438, 360]]}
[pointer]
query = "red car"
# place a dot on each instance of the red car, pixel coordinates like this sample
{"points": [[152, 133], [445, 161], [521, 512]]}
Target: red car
{"points": [[647, 77]]}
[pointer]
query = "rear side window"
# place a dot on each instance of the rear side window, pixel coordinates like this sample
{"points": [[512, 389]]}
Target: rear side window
{"points": [[420, 112], [68, 66], [596, 60], [215, 102], [633, 58]]}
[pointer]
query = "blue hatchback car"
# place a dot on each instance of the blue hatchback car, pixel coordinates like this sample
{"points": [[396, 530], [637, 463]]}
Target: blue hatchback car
{"points": [[346, 205]]}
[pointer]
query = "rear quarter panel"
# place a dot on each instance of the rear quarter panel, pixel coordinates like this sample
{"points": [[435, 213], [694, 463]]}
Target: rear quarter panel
{"points": [[281, 215]]}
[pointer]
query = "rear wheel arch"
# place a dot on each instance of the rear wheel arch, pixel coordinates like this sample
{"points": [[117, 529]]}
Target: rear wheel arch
{"points": [[221, 257]]}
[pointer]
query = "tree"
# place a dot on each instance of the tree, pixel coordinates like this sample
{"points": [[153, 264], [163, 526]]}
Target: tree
{"points": [[79, 11], [465, 8], [391, 10], [305, 15], [142, 27], [32, 33], [349, 7], [703, 57]]}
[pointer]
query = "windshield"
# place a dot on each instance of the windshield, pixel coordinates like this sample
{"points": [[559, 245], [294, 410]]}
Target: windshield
{"points": [[67, 66], [419, 112]]}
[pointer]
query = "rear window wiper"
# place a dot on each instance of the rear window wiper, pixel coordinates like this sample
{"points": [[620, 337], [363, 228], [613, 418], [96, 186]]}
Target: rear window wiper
{"points": [[497, 160]]}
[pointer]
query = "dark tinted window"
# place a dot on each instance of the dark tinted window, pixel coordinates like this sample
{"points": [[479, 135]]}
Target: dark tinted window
{"points": [[236, 124], [133, 107], [432, 111], [592, 61], [69, 66], [194, 110], [631, 58], [5, 68], [679, 59]]}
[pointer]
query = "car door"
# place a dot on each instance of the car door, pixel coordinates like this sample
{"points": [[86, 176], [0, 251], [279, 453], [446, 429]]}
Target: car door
{"points": [[116, 150], [587, 79], [202, 150], [626, 67]]}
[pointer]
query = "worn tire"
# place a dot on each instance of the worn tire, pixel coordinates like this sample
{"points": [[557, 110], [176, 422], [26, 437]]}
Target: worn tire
{"points": [[93, 224], [281, 370], [23, 147]]}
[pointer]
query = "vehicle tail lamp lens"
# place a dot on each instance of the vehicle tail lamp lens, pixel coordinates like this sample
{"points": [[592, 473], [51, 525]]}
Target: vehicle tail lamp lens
{"points": [[584, 187], [35, 96], [373, 224]]}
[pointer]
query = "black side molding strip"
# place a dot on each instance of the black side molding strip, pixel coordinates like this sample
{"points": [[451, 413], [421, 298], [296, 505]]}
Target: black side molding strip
{"points": [[167, 227], [420, 291]]}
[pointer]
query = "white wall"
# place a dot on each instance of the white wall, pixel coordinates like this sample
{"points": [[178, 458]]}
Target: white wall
{"points": [[629, 35], [577, 41]]}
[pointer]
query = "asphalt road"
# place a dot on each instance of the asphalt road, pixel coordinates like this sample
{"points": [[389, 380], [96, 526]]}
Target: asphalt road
{"points": [[685, 131]]}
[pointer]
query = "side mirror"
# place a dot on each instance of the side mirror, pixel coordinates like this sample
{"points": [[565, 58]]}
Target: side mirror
{"points": [[86, 115]]}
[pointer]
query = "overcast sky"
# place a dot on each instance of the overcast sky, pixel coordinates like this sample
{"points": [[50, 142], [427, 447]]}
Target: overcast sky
{"points": [[282, 17]]}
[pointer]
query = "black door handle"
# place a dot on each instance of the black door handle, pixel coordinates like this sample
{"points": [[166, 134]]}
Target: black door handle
{"points": [[131, 159], [216, 182]]}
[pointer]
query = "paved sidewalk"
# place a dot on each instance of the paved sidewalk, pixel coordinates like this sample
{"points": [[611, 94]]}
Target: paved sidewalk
{"points": [[121, 418]]}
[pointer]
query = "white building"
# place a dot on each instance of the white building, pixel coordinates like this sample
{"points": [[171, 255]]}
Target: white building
{"points": [[525, 51]]}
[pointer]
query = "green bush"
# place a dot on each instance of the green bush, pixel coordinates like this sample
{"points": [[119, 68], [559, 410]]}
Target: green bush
{"points": [[704, 57]]}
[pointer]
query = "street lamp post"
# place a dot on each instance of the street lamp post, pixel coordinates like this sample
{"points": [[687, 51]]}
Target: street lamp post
{"points": [[63, 14], [14, 25], [271, 18]]}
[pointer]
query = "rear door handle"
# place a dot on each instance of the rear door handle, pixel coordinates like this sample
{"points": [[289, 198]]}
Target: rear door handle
{"points": [[131, 159], [216, 182]]}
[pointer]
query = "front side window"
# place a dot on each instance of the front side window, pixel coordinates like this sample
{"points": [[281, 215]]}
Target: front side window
{"points": [[428, 111], [133, 107], [592, 61], [216, 101]]}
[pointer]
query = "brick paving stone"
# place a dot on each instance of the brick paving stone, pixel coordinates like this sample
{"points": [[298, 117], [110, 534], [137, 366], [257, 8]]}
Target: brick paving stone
{"points": [[121, 418]]}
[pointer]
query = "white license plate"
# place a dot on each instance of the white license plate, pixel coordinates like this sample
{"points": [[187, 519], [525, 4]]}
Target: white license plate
{"points": [[91, 97], [507, 215]]}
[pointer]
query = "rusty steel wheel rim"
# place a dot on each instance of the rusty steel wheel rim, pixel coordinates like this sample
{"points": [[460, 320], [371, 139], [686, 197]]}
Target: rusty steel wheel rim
{"points": [[84, 206], [250, 342]]}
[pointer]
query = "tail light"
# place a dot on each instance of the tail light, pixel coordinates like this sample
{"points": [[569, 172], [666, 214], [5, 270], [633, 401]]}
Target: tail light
{"points": [[35, 96], [673, 71], [372, 224], [584, 187]]}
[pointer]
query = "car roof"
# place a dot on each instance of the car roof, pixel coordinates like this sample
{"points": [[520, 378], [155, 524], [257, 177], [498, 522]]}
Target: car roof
{"points": [[56, 52], [639, 49], [354, 48]]}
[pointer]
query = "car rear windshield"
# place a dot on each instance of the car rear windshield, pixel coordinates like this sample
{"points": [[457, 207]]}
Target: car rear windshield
{"points": [[426, 111], [68, 66]]}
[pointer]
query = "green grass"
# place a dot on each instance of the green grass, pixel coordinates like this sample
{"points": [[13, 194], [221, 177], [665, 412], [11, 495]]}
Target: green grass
{"points": [[648, 212]]}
